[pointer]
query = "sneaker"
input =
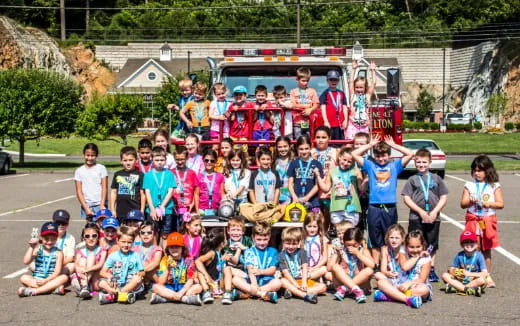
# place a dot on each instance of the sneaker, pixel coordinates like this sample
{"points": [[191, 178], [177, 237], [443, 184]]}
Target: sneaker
{"points": [[433, 277], [207, 297], [155, 299], [380, 296], [227, 298], [192, 300], [105, 298], [84, 293], [490, 283], [25, 292], [450, 289], [359, 295], [131, 297], [414, 302], [287, 294], [340, 293], [271, 297], [76, 287], [311, 297], [478, 291], [60, 290]]}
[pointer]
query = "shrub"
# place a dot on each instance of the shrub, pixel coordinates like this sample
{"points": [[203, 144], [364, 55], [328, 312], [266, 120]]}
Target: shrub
{"points": [[509, 126], [434, 126], [467, 127], [517, 126], [407, 124], [478, 125]]}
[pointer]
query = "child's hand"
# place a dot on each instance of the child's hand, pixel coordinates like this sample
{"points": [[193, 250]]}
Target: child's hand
{"points": [[189, 124], [373, 65], [425, 217], [393, 274], [33, 242], [465, 272], [389, 140], [240, 246], [403, 287], [345, 124], [424, 254], [307, 111], [254, 271], [354, 64], [486, 204], [303, 288], [226, 257], [41, 282], [353, 250], [433, 216], [236, 107], [375, 140]]}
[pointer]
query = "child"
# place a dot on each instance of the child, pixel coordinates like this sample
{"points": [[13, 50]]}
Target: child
{"points": [[194, 161], [66, 241], [283, 155], [210, 265], [283, 102], [360, 139], [218, 112], [260, 266], [127, 185], [315, 245], [191, 230], [353, 268], [186, 88], [390, 269], [134, 220], [301, 173], [186, 195], [91, 183], [48, 262], [361, 95], [226, 147], [149, 253], [161, 138], [304, 101], [198, 109], [144, 150], [334, 106], [237, 176], [294, 267], [239, 128], [211, 185], [263, 120], [482, 198], [109, 241], [88, 263], [382, 177], [176, 275], [468, 271], [123, 272], [264, 185], [343, 180], [158, 185], [425, 194]]}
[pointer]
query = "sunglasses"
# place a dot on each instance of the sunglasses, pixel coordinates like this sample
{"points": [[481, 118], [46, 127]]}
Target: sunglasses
{"points": [[62, 223], [209, 161], [146, 232], [88, 236]]}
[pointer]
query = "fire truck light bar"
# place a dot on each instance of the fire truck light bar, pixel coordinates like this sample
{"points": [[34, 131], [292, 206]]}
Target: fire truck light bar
{"points": [[285, 52]]}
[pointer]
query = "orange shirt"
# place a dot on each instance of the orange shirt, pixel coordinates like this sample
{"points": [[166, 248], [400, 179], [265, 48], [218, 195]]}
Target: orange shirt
{"points": [[199, 112]]}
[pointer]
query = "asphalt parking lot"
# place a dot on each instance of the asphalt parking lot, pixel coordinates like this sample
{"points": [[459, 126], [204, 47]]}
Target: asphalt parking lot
{"points": [[28, 200]]}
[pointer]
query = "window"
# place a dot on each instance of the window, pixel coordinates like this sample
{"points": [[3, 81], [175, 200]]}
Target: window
{"points": [[151, 76]]}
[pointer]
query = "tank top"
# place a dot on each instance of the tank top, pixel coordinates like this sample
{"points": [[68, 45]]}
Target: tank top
{"points": [[44, 265]]}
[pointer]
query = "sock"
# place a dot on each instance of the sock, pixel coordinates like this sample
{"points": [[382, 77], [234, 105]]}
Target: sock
{"points": [[184, 299]]}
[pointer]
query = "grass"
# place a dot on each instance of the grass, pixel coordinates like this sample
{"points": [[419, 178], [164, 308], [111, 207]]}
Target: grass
{"points": [[472, 143], [60, 165], [463, 165]]}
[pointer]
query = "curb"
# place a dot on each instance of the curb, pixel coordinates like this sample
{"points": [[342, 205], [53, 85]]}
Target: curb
{"points": [[34, 155]]}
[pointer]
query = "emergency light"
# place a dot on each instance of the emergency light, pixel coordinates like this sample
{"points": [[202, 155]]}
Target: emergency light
{"points": [[285, 52]]}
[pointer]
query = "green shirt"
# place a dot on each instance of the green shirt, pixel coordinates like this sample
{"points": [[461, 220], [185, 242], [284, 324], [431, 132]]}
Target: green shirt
{"points": [[340, 198]]}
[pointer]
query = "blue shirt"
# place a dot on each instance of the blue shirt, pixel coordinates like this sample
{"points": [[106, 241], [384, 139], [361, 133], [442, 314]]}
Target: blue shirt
{"points": [[158, 187], [294, 171], [475, 264], [124, 266], [261, 259], [382, 181]]}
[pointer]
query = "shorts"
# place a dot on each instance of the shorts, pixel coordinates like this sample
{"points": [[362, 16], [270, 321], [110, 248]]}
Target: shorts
{"points": [[338, 216], [353, 129], [299, 131], [167, 225], [310, 283], [430, 296], [201, 132], [214, 134], [261, 280], [174, 287], [93, 208], [429, 230], [379, 218], [325, 203], [262, 134]]}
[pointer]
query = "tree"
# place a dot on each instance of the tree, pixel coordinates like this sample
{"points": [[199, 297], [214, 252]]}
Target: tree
{"points": [[112, 114], [35, 102], [497, 105], [425, 102]]}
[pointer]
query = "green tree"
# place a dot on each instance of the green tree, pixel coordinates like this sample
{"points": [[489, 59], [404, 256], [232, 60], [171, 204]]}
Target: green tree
{"points": [[35, 102], [497, 105], [111, 114], [425, 102]]}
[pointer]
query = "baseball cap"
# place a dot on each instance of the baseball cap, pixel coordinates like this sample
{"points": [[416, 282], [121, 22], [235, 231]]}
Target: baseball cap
{"points": [[61, 216], [468, 235], [110, 222], [332, 74], [49, 228], [240, 89], [135, 214], [175, 239], [102, 213]]}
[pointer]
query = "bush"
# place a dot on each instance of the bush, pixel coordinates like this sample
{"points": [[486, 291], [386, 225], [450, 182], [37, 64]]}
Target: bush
{"points": [[407, 124], [509, 126], [434, 126], [467, 127], [517, 126], [478, 125]]}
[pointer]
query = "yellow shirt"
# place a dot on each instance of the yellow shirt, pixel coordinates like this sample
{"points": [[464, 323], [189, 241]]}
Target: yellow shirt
{"points": [[196, 110]]}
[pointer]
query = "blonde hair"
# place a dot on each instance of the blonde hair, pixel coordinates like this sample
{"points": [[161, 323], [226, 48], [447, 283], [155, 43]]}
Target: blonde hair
{"points": [[292, 234], [313, 217], [219, 87], [200, 87], [395, 228], [262, 229], [125, 230], [303, 72], [237, 221], [185, 83]]}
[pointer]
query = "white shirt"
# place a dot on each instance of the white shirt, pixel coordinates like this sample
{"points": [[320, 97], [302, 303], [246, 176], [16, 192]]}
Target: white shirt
{"points": [[485, 194], [90, 178], [230, 186]]}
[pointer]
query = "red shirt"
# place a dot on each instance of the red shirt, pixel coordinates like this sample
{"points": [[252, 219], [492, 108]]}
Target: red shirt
{"points": [[143, 167], [186, 184], [331, 99], [266, 125], [239, 126]]}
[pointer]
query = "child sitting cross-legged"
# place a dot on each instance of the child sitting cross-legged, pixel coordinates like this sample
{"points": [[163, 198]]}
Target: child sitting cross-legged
{"points": [[210, 265], [294, 267]]}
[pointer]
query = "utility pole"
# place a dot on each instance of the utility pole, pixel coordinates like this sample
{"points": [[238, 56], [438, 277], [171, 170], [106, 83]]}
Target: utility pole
{"points": [[87, 16], [298, 24], [443, 82], [62, 19]]}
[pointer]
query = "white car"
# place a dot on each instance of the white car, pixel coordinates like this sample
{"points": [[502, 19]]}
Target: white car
{"points": [[438, 157]]}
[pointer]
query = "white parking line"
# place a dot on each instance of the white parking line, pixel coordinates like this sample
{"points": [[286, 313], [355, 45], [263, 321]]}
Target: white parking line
{"points": [[42, 204], [456, 178], [41, 220], [15, 176], [500, 250], [17, 273], [518, 175], [63, 180]]}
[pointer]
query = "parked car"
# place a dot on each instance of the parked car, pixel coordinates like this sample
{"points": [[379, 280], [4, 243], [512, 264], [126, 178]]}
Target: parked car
{"points": [[458, 118], [6, 161], [438, 156]]}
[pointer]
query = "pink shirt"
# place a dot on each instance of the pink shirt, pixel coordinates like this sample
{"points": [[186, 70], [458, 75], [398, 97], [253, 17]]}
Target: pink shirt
{"points": [[186, 184], [195, 163], [150, 253], [193, 245], [209, 187], [303, 96]]}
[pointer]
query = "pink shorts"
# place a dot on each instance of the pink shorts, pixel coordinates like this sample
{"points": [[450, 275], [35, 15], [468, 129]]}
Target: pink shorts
{"points": [[353, 129]]}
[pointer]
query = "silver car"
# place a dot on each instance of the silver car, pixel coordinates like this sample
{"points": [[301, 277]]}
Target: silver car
{"points": [[438, 156], [6, 162]]}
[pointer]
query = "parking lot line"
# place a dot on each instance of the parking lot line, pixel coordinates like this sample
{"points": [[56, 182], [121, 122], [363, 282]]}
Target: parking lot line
{"points": [[63, 180], [456, 178], [500, 250], [42, 204], [17, 273], [15, 176]]}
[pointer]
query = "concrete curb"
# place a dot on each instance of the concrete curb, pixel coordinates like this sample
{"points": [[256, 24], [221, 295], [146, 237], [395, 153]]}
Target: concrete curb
{"points": [[35, 155]]}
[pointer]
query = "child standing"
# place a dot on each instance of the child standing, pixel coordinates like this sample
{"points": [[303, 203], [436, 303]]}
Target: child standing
{"points": [[260, 266], [198, 109], [186, 88], [210, 265], [144, 150], [127, 185], [264, 185], [304, 101], [194, 161], [482, 197], [186, 195], [382, 177], [263, 120], [360, 139], [239, 128], [334, 106], [302, 174], [123, 271], [282, 101], [467, 273], [211, 185], [176, 275], [66, 241], [237, 177], [161, 138], [283, 155], [91, 183], [158, 185], [361, 95], [425, 194], [218, 112], [48, 262], [191, 230], [295, 268]]}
